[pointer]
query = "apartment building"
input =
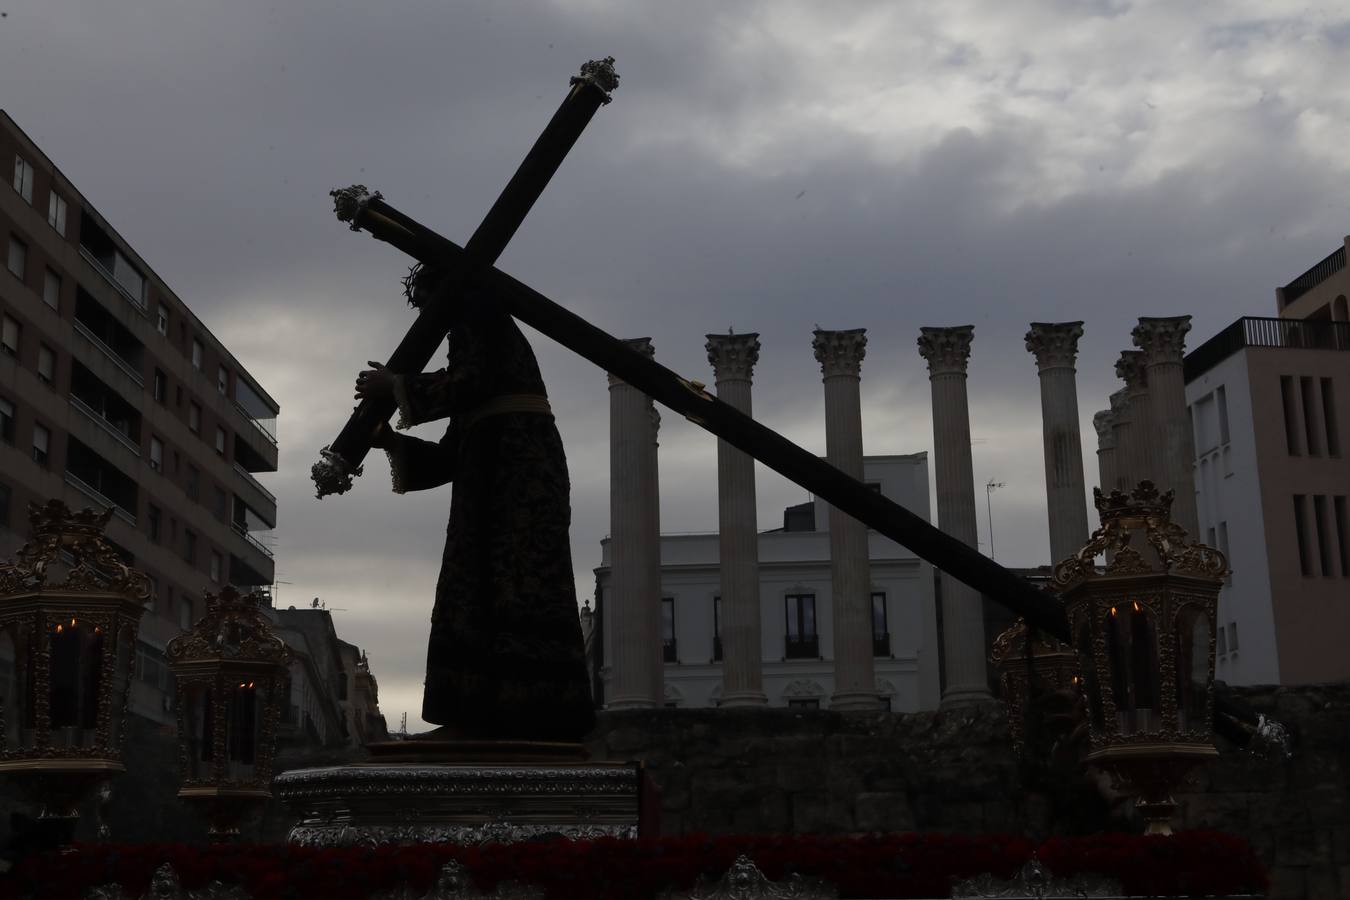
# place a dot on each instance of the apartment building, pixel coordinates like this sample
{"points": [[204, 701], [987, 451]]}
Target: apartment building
{"points": [[796, 608], [113, 394], [1269, 401]]}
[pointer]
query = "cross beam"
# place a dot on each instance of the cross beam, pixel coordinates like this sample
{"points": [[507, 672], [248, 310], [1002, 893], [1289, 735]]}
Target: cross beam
{"points": [[341, 460]]}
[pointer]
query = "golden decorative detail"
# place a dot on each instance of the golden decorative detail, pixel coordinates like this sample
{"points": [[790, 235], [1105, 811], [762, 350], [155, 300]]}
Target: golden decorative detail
{"points": [[1052, 666], [234, 628], [73, 542]]}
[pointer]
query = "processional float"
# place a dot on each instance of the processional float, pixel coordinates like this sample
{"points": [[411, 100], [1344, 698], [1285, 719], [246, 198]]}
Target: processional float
{"points": [[472, 270]]}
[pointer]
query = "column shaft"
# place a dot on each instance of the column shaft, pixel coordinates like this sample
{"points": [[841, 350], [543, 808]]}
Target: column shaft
{"points": [[948, 351], [1056, 346], [1162, 342], [840, 354], [733, 357]]}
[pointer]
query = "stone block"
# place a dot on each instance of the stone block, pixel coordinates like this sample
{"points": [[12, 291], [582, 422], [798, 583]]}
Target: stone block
{"points": [[1222, 812], [1279, 811], [1287, 883], [627, 739], [803, 775], [883, 811], [1322, 883], [1340, 844], [1302, 847], [810, 813]]}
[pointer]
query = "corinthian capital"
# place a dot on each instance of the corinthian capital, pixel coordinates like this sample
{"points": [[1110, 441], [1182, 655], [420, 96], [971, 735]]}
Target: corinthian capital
{"points": [[1162, 340], [1130, 369], [1120, 407], [733, 356], [1055, 344], [840, 352], [946, 349], [642, 345], [1102, 421]]}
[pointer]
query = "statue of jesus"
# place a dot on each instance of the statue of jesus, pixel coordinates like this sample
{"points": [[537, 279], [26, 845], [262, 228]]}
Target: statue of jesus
{"points": [[505, 660]]}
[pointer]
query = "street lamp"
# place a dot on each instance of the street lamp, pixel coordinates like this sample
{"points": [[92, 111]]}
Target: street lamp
{"points": [[69, 611], [229, 672], [1143, 628], [989, 507]]}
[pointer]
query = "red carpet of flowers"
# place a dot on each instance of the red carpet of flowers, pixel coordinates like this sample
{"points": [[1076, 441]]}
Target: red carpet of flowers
{"points": [[878, 866]]}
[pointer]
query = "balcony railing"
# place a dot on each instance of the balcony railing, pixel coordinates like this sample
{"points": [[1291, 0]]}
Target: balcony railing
{"points": [[93, 494], [99, 420], [248, 476], [1253, 331], [801, 647], [83, 331], [138, 302], [257, 544], [268, 433], [1315, 276]]}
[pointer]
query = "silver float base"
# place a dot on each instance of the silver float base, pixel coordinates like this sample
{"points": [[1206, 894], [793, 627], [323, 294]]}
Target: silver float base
{"points": [[373, 805]]}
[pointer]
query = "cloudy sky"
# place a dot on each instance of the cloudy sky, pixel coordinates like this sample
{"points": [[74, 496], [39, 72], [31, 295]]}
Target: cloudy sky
{"points": [[765, 167]]}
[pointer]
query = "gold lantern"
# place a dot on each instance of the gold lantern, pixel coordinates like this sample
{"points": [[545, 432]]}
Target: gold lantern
{"points": [[230, 672], [69, 611], [1028, 673], [1143, 627]]}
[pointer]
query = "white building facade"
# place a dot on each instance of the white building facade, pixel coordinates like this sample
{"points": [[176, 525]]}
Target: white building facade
{"points": [[795, 607]]}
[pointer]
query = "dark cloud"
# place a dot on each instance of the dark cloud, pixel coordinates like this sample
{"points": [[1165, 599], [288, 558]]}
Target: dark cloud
{"points": [[764, 167]]}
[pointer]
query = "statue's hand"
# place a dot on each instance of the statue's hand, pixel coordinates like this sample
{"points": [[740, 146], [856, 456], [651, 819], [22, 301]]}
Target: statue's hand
{"points": [[375, 384]]}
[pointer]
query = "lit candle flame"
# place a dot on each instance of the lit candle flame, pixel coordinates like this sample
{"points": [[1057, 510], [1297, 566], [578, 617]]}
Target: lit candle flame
{"points": [[1113, 610], [1136, 605], [59, 628]]}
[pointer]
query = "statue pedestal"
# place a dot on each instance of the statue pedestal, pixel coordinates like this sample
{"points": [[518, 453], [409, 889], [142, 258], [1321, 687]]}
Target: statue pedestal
{"points": [[464, 792]]}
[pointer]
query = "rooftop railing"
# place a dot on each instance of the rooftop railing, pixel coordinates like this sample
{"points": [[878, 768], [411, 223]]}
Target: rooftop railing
{"points": [[1253, 331], [1315, 276]]}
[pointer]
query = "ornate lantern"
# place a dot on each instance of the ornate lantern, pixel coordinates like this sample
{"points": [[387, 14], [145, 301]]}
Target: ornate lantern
{"points": [[69, 611], [1144, 629], [1028, 673], [230, 672]]}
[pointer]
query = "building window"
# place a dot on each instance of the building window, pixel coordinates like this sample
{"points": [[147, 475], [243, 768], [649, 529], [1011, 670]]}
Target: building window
{"points": [[1314, 445], [801, 641], [222, 381], [190, 546], [197, 353], [1289, 400], [1343, 537], [1329, 418], [56, 213], [10, 330], [42, 441], [156, 454], [51, 290], [1232, 637], [4, 504], [1221, 641], [803, 703], [216, 565], [669, 652], [161, 388], [162, 320], [46, 367], [185, 614], [717, 629], [152, 518], [18, 257], [1221, 401], [195, 418], [6, 421], [222, 503], [1323, 526], [881, 635], [23, 179], [220, 440], [194, 482], [1301, 533]]}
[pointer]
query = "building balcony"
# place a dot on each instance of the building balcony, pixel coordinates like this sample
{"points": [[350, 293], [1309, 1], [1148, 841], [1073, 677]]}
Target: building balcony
{"points": [[1259, 332], [122, 436], [1319, 273], [126, 367], [93, 494], [807, 647], [108, 276]]}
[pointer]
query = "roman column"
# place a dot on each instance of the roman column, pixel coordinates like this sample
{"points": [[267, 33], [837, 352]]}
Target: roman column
{"points": [[947, 351], [1143, 452], [1122, 430], [1106, 451], [634, 613], [733, 358], [1055, 346], [1163, 342], [840, 354]]}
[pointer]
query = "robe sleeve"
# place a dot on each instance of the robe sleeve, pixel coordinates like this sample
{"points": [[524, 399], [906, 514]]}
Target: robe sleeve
{"points": [[417, 465], [459, 387]]}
